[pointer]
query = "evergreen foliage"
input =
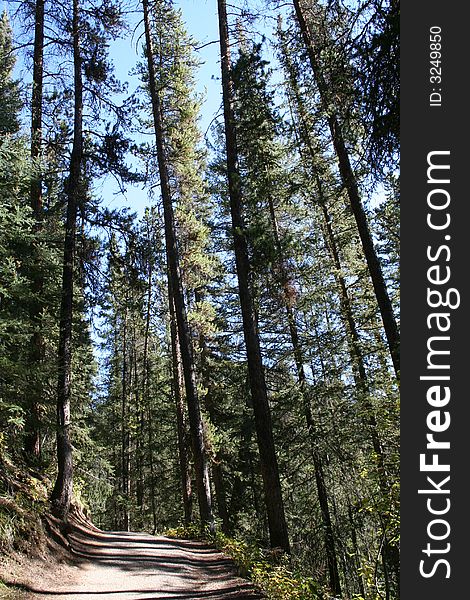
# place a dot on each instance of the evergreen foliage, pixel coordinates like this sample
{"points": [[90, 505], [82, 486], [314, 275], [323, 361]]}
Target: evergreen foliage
{"points": [[10, 101], [225, 349]]}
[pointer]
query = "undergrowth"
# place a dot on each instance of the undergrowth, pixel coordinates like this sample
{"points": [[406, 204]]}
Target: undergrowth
{"points": [[23, 501], [8, 592], [271, 573]]}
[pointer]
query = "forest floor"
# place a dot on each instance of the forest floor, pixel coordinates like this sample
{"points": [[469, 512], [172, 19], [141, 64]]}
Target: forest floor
{"points": [[125, 566]]}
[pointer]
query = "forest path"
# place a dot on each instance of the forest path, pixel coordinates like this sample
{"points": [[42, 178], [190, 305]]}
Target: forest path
{"points": [[133, 566]]}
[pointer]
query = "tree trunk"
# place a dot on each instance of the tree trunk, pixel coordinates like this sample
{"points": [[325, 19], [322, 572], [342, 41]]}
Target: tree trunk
{"points": [[153, 501], [183, 447], [201, 466], [355, 351], [331, 557], [33, 437], [244, 462], [357, 359], [62, 493], [220, 493], [36, 106], [139, 454], [124, 430], [146, 399], [357, 554], [335, 584], [269, 466], [349, 180], [210, 405]]}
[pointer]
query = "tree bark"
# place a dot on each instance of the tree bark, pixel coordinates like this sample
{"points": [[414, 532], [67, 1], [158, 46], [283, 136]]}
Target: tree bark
{"points": [[183, 447], [210, 405], [139, 442], [269, 465], [146, 397], [201, 465], [322, 492], [350, 182], [357, 555], [244, 462], [36, 106], [125, 487], [354, 346], [62, 492], [331, 557], [33, 437]]}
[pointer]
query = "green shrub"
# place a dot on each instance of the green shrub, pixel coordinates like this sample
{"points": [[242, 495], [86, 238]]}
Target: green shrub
{"points": [[271, 574]]}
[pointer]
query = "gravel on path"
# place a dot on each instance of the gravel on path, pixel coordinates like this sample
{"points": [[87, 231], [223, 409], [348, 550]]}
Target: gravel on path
{"points": [[133, 566]]}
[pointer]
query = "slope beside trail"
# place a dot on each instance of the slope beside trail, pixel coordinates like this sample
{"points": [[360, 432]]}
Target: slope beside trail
{"points": [[133, 566]]}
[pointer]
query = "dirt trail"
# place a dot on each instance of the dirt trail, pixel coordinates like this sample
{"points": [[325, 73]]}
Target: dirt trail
{"points": [[131, 566]]}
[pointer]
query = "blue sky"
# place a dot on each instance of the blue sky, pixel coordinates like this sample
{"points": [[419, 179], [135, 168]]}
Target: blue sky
{"points": [[200, 17], [201, 20]]}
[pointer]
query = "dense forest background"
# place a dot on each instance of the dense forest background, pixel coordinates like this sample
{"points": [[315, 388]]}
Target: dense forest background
{"points": [[230, 357]]}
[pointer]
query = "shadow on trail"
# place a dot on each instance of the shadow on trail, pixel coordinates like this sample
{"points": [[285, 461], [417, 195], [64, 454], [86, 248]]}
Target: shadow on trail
{"points": [[137, 552], [230, 593], [134, 566]]}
